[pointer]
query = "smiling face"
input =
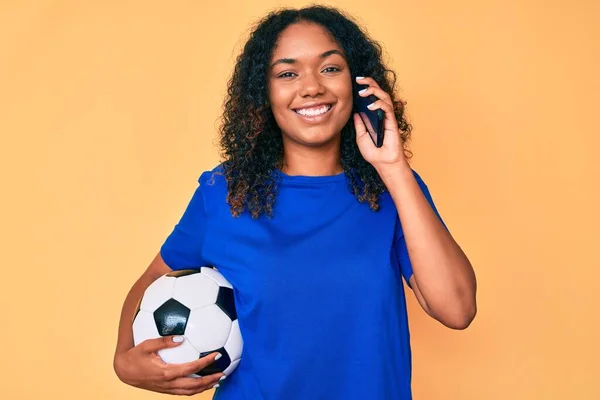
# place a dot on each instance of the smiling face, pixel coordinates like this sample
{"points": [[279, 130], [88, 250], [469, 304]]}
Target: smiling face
{"points": [[310, 88]]}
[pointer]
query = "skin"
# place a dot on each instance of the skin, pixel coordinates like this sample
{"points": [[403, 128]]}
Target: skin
{"points": [[302, 76], [308, 67]]}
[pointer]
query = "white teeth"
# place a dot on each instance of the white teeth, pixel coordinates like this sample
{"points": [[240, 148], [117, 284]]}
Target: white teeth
{"points": [[313, 112]]}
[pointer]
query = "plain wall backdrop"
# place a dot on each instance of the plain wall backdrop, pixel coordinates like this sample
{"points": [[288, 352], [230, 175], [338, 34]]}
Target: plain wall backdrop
{"points": [[109, 113]]}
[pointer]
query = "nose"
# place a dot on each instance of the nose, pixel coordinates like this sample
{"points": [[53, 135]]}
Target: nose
{"points": [[311, 86]]}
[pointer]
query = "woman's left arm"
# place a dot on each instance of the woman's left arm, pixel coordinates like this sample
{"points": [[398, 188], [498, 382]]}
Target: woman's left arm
{"points": [[443, 279]]}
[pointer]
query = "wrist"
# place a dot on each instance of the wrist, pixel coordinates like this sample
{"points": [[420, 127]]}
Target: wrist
{"points": [[394, 170]]}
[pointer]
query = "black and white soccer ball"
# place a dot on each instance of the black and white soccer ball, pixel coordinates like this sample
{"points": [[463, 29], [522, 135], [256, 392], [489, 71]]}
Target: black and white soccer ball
{"points": [[197, 304]]}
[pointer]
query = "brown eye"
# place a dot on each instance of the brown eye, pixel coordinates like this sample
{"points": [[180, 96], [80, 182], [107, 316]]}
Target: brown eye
{"points": [[286, 75]]}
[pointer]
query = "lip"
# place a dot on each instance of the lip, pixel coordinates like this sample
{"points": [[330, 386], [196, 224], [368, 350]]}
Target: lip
{"points": [[316, 119]]}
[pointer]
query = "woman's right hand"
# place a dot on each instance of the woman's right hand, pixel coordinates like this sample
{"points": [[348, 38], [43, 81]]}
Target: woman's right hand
{"points": [[142, 367]]}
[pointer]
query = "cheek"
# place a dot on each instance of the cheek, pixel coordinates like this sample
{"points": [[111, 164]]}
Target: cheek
{"points": [[347, 93], [345, 96], [279, 96], [279, 102]]}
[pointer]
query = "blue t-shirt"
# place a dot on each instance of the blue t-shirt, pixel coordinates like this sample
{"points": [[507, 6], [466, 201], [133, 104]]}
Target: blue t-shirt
{"points": [[318, 289]]}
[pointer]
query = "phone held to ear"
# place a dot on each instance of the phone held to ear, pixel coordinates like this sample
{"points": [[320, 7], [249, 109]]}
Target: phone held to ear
{"points": [[373, 119]]}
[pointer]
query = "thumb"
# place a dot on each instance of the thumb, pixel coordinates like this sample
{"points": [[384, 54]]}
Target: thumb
{"points": [[359, 126], [154, 345], [363, 139]]}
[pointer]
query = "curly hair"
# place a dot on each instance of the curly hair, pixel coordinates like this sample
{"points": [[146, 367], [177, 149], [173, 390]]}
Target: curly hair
{"points": [[249, 137]]}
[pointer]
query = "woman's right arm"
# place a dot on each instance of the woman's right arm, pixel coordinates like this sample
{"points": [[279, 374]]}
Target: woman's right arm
{"points": [[140, 365]]}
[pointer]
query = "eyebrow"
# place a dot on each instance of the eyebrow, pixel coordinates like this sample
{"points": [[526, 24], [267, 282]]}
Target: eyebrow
{"points": [[293, 61]]}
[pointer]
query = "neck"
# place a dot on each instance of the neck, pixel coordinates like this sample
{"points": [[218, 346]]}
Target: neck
{"points": [[312, 161]]}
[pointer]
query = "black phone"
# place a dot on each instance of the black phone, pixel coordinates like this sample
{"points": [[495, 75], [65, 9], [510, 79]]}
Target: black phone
{"points": [[373, 119]]}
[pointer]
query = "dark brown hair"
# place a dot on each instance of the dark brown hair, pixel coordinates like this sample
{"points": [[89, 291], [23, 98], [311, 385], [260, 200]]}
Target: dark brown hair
{"points": [[250, 140]]}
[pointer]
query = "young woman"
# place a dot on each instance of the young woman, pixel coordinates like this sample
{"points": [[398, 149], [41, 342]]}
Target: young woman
{"points": [[313, 225]]}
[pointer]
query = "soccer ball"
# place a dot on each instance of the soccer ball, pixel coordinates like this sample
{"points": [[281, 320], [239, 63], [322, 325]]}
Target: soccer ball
{"points": [[198, 304]]}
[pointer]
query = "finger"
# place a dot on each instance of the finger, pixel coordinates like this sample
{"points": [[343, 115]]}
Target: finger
{"points": [[154, 345], [365, 80], [181, 392], [362, 80], [197, 383], [377, 92], [184, 369], [185, 392], [389, 117], [387, 108]]}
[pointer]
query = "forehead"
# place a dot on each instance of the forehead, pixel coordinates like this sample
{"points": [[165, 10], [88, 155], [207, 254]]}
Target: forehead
{"points": [[303, 40]]}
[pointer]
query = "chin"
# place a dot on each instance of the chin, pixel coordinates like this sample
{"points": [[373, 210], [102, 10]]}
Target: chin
{"points": [[306, 139]]}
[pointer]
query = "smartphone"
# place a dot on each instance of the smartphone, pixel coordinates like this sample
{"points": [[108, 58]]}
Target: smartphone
{"points": [[373, 119]]}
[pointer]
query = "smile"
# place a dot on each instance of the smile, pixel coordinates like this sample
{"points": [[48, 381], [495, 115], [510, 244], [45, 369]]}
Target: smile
{"points": [[313, 111]]}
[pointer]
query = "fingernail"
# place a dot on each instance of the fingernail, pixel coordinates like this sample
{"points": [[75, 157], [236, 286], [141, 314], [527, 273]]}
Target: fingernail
{"points": [[216, 386], [362, 91], [218, 356], [223, 377], [178, 339], [360, 78], [370, 106]]}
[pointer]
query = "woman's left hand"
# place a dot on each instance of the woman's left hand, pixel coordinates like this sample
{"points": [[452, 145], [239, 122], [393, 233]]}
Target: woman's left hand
{"points": [[392, 151]]}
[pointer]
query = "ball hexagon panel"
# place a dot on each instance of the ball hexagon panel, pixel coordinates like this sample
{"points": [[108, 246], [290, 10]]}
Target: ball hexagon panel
{"points": [[183, 353], [231, 367], [171, 318], [216, 276], [208, 337], [157, 293], [195, 290], [235, 343], [144, 327]]}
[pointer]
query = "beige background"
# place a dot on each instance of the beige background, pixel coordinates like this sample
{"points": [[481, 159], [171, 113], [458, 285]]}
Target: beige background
{"points": [[108, 114]]}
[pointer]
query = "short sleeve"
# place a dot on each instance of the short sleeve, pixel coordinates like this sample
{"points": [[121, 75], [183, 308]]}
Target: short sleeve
{"points": [[400, 242], [183, 247]]}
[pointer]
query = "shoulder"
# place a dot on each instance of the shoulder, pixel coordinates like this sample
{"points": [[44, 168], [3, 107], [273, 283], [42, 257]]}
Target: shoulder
{"points": [[212, 177], [418, 178], [212, 186]]}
